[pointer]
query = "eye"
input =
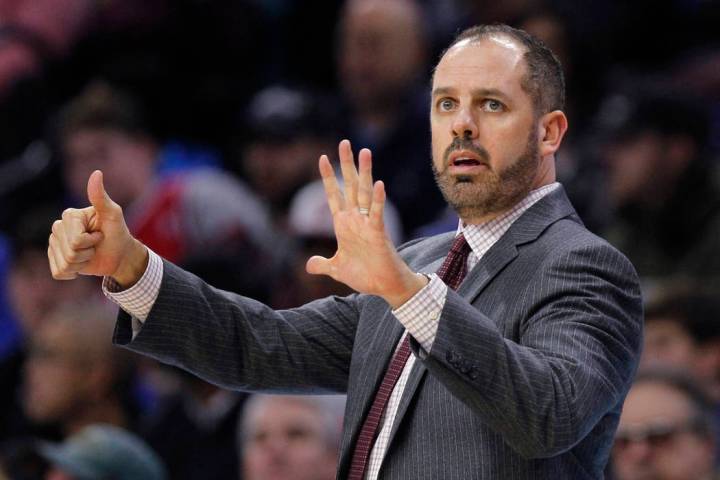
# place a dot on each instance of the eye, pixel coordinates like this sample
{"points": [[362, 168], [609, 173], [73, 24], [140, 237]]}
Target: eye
{"points": [[491, 105], [446, 104]]}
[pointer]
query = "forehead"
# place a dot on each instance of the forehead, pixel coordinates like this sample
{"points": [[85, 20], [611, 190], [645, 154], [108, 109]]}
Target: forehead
{"points": [[650, 401], [495, 62], [54, 333], [380, 18], [281, 411]]}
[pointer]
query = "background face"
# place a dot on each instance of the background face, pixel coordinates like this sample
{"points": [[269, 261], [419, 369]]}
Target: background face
{"points": [[55, 376], [380, 50], [635, 167], [127, 163], [285, 440], [33, 293], [666, 343], [277, 169], [681, 456]]}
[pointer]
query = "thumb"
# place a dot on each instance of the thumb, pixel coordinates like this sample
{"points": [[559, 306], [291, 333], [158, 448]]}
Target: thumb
{"points": [[318, 265], [97, 195]]}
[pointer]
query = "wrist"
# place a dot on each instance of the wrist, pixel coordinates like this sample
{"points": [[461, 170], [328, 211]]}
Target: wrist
{"points": [[133, 265], [412, 284]]}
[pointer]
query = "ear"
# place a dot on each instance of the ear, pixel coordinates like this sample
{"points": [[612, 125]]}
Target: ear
{"points": [[552, 127]]}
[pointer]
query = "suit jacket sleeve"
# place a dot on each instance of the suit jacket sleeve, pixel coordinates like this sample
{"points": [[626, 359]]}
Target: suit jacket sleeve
{"points": [[239, 343], [573, 360]]}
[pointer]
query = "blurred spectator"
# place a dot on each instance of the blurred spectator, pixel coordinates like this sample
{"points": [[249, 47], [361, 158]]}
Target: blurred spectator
{"points": [[73, 375], [34, 31], [662, 186], [20, 460], [102, 452], [177, 215], [382, 64], [682, 331], [291, 437], [311, 226], [194, 429], [32, 296], [666, 431], [288, 128]]}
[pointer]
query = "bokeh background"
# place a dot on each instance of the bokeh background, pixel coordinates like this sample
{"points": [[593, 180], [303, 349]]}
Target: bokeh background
{"points": [[208, 117]]}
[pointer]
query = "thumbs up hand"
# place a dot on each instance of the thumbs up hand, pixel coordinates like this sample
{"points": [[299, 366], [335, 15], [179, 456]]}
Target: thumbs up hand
{"points": [[96, 241]]}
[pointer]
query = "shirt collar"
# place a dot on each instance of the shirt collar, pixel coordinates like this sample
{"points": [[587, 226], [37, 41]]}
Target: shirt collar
{"points": [[482, 236]]}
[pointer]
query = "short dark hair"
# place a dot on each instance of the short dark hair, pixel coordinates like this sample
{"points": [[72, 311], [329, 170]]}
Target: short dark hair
{"points": [[696, 310], [102, 107], [544, 81]]}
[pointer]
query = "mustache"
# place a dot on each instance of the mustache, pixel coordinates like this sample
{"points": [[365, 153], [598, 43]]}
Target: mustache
{"points": [[465, 143]]}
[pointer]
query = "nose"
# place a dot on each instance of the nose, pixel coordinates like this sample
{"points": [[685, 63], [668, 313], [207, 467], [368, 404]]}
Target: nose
{"points": [[464, 124], [637, 451]]}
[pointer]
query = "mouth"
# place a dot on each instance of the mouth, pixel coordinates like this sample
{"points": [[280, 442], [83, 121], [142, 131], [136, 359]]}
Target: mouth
{"points": [[465, 162]]}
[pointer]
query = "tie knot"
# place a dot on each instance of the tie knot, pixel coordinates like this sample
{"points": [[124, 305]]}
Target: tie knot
{"points": [[460, 246], [454, 268]]}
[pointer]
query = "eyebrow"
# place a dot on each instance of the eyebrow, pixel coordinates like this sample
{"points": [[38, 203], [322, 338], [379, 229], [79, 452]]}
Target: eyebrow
{"points": [[477, 92]]}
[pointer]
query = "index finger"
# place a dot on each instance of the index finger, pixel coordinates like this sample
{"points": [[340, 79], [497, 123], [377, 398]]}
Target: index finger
{"points": [[332, 189], [76, 229]]}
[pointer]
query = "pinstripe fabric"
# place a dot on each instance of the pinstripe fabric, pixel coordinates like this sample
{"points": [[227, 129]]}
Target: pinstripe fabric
{"points": [[371, 422], [421, 313], [531, 360], [452, 272]]}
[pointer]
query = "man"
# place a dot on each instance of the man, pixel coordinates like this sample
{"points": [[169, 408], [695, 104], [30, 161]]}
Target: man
{"points": [[517, 371], [682, 331], [666, 430], [663, 187], [32, 297], [174, 200], [72, 378], [291, 437], [381, 60], [288, 128], [99, 452]]}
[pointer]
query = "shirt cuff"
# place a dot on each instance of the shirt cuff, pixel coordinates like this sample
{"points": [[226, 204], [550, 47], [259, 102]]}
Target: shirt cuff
{"points": [[139, 299], [421, 314]]}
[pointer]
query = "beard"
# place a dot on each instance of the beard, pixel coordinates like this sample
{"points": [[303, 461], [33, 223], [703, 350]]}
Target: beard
{"points": [[490, 192]]}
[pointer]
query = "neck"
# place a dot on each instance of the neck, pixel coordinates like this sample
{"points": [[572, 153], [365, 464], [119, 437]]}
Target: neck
{"points": [[105, 412], [481, 219]]}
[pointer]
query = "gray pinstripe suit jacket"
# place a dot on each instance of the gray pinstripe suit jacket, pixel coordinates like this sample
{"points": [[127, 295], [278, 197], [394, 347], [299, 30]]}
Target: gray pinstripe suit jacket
{"points": [[525, 380]]}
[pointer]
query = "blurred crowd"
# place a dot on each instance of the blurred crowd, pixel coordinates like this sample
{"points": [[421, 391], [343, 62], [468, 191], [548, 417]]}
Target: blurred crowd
{"points": [[207, 118]]}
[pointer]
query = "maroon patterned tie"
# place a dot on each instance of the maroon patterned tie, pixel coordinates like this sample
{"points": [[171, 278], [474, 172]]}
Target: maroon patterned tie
{"points": [[452, 272]]}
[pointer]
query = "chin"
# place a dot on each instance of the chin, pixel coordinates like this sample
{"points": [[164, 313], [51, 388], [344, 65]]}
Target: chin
{"points": [[464, 179]]}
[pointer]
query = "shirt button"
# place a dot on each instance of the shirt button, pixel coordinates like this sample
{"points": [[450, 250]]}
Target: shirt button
{"points": [[434, 316]]}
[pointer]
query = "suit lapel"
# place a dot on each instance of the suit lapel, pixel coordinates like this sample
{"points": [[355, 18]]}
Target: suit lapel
{"points": [[382, 344], [527, 228], [378, 350]]}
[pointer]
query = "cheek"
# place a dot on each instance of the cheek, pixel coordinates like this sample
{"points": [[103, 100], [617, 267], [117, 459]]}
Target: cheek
{"points": [[440, 141], [690, 457], [307, 456], [254, 459]]}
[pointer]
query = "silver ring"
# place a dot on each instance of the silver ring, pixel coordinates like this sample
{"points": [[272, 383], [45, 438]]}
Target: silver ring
{"points": [[364, 211]]}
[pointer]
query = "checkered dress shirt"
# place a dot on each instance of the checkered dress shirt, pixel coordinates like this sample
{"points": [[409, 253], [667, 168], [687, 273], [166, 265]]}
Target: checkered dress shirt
{"points": [[420, 315]]}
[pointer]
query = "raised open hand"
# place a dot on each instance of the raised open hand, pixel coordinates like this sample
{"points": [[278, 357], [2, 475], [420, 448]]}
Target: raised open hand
{"points": [[366, 259]]}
